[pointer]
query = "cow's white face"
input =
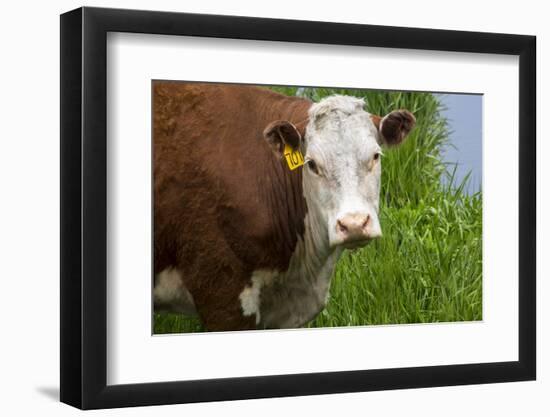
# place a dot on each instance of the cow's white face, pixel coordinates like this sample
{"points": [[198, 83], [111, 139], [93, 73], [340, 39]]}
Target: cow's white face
{"points": [[341, 175], [342, 168]]}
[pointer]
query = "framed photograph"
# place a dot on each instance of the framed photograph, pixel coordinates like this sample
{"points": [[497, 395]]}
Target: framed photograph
{"points": [[260, 208]]}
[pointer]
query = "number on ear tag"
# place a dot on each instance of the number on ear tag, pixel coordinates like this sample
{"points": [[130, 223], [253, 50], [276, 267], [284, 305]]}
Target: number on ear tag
{"points": [[294, 157]]}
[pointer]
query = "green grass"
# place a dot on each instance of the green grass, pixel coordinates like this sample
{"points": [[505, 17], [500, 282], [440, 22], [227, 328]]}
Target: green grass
{"points": [[427, 267], [175, 323]]}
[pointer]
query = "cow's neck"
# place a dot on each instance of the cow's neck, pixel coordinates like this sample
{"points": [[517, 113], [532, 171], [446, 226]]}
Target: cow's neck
{"points": [[293, 297], [313, 251]]}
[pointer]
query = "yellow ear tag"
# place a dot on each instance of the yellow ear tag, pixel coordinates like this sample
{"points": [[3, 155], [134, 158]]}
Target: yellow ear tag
{"points": [[294, 158]]}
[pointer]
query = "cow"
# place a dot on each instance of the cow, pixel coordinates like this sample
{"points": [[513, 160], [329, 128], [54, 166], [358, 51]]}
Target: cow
{"points": [[256, 195]]}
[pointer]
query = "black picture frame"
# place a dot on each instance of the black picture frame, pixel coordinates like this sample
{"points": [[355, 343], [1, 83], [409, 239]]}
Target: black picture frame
{"points": [[84, 207]]}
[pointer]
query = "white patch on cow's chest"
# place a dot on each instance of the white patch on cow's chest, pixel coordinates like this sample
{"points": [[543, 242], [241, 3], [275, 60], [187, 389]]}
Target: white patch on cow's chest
{"points": [[250, 296], [292, 298], [171, 294]]}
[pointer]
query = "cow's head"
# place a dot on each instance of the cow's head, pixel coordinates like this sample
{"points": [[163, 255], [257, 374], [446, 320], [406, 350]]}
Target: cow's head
{"points": [[342, 150]]}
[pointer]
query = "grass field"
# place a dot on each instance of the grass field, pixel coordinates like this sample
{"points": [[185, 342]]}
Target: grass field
{"points": [[427, 267]]}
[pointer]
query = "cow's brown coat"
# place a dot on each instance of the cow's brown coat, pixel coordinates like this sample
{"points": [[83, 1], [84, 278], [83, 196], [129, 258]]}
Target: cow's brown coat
{"points": [[225, 204]]}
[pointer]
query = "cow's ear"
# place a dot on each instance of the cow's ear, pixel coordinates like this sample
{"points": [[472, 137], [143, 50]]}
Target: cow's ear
{"points": [[394, 127], [281, 132]]}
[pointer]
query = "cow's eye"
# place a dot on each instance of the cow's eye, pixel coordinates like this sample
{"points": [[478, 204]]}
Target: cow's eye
{"points": [[313, 166], [375, 158]]}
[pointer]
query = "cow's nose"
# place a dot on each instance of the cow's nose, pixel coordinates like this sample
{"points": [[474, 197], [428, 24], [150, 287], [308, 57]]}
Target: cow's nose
{"points": [[353, 227]]}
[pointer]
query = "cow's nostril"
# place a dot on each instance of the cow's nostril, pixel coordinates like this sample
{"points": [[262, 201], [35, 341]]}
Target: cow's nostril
{"points": [[341, 227], [354, 226]]}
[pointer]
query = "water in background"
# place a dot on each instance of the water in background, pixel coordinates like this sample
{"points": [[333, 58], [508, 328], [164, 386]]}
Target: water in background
{"points": [[464, 113]]}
